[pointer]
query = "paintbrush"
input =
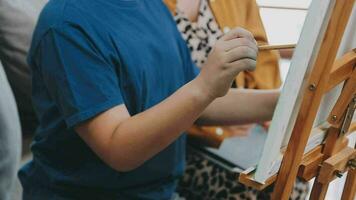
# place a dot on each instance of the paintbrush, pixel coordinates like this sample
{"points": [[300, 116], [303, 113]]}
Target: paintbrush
{"points": [[276, 47]]}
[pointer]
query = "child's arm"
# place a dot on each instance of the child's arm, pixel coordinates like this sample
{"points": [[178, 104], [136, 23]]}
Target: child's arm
{"points": [[240, 107], [125, 142]]}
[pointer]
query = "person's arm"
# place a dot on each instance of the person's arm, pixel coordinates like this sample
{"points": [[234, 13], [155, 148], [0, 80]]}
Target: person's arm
{"points": [[240, 106], [125, 142]]}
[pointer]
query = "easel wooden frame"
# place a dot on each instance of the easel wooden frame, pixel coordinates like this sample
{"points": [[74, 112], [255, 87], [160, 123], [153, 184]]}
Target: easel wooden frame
{"points": [[333, 157]]}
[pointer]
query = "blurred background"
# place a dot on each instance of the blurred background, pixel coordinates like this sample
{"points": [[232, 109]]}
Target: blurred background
{"points": [[283, 21]]}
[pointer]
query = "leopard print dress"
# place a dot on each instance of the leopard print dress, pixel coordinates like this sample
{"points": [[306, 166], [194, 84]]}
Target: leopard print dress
{"points": [[203, 179]]}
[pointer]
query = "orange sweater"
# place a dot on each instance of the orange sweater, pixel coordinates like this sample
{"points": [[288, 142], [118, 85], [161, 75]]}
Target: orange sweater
{"points": [[245, 13], [239, 13]]}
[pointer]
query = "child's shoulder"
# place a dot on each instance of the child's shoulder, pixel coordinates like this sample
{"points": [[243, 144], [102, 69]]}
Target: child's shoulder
{"points": [[56, 15]]}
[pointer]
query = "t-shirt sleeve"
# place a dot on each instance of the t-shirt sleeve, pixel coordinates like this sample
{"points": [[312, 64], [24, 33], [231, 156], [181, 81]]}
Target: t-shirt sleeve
{"points": [[77, 77]]}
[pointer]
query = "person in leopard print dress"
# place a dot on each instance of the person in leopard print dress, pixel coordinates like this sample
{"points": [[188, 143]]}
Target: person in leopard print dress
{"points": [[203, 179]]}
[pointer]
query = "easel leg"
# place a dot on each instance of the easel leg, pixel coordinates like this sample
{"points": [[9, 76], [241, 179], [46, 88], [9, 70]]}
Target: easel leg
{"points": [[349, 192], [319, 191]]}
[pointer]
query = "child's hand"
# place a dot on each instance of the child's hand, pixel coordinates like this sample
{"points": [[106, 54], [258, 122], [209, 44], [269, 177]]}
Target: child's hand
{"points": [[234, 52]]}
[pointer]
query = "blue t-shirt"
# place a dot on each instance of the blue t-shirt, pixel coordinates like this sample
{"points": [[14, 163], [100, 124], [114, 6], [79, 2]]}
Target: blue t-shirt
{"points": [[88, 56]]}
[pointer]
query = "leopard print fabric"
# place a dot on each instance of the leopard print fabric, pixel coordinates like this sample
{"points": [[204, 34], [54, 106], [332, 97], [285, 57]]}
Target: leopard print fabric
{"points": [[201, 35], [203, 179]]}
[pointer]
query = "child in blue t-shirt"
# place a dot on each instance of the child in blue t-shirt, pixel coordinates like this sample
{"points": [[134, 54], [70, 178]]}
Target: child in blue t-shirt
{"points": [[114, 89]]}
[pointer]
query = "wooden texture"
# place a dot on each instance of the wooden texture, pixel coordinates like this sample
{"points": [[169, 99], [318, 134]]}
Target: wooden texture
{"points": [[342, 69], [341, 145], [308, 48], [276, 47], [307, 169], [310, 164], [247, 179], [349, 192], [333, 144], [336, 163], [311, 100], [347, 95]]}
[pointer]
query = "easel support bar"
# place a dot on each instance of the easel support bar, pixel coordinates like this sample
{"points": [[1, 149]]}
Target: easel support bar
{"points": [[350, 192], [308, 168], [246, 178], [341, 107], [342, 69], [310, 164], [336, 165]]}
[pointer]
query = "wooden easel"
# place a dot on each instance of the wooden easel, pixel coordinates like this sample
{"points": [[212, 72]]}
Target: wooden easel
{"points": [[333, 157]]}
